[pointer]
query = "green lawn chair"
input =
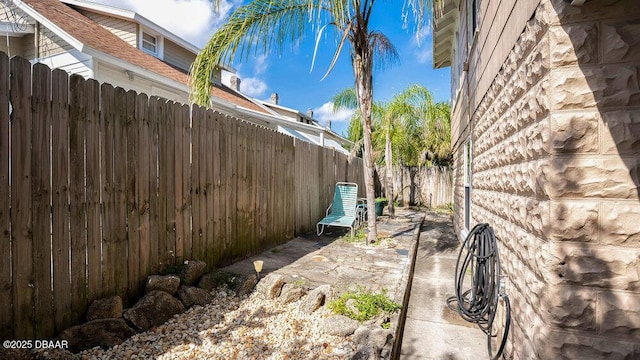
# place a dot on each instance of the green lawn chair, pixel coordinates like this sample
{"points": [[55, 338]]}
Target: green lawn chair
{"points": [[342, 212]]}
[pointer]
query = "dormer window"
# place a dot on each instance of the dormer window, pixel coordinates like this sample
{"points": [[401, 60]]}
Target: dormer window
{"points": [[151, 43]]}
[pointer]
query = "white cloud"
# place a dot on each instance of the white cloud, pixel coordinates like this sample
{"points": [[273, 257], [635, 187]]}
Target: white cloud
{"points": [[253, 86], [325, 112], [423, 55], [260, 64], [193, 20]]}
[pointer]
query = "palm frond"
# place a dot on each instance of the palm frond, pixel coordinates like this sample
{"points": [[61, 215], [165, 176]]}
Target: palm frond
{"points": [[260, 25], [385, 52]]}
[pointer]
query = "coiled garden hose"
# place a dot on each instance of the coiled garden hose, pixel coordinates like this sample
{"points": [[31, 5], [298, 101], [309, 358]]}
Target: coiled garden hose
{"points": [[479, 303]]}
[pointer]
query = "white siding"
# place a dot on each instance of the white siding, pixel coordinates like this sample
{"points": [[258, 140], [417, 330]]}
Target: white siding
{"points": [[51, 44], [16, 45], [177, 56], [124, 29], [117, 77], [73, 62]]}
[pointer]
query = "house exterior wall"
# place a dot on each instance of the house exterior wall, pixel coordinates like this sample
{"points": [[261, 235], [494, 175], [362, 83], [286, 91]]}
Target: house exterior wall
{"points": [[16, 45], [51, 44], [108, 74], [177, 56], [124, 29], [551, 103]]}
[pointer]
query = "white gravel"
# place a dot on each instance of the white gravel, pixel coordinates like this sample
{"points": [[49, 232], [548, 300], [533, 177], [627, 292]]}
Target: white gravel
{"points": [[234, 328]]}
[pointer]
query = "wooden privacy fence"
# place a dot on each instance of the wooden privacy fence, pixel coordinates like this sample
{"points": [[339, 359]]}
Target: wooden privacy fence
{"points": [[101, 187], [426, 186]]}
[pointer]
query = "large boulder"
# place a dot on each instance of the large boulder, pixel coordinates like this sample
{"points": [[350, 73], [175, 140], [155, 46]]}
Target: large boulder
{"points": [[208, 281], [154, 309], [315, 299], [191, 295], [107, 308], [166, 283], [103, 332], [271, 285], [375, 337], [291, 293], [192, 271], [248, 285], [339, 325]]}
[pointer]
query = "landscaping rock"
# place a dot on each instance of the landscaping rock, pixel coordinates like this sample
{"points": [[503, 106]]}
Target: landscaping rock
{"points": [[352, 304], [291, 293], [271, 286], [107, 308], [248, 285], [154, 309], [192, 271], [375, 337], [208, 281], [339, 325], [103, 332], [191, 295], [315, 299], [166, 283], [367, 353]]}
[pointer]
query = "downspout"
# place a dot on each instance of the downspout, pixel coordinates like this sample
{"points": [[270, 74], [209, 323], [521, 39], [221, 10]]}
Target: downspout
{"points": [[36, 41]]}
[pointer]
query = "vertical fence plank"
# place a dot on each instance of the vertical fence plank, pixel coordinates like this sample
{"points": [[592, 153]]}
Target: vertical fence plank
{"points": [[41, 199], [109, 254], [154, 254], [218, 193], [6, 314], [60, 204], [196, 190], [161, 115], [77, 198], [186, 200], [241, 189], [208, 188], [22, 242], [133, 216], [143, 182], [94, 233], [170, 173], [120, 192]]}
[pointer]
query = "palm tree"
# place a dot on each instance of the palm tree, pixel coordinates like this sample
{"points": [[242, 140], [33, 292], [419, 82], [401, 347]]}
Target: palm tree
{"points": [[397, 124], [270, 24], [437, 135]]}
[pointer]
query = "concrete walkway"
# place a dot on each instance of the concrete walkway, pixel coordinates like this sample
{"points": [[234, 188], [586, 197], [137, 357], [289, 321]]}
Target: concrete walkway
{"points": [[432, 330]]}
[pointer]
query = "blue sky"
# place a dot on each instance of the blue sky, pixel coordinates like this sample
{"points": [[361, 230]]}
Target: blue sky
{"points": [[289, 74]]}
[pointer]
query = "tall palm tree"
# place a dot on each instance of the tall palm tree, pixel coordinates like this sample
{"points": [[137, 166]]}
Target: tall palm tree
{"points": [[397, 125], [270, 24]]}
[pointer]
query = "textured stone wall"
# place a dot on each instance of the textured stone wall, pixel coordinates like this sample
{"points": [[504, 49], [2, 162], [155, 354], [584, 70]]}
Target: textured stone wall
{"points": [[556, 172]]}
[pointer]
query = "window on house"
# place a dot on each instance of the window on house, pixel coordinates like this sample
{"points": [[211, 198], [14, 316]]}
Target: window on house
{"points": [[472, 19], [467, 184], [149, 43]]}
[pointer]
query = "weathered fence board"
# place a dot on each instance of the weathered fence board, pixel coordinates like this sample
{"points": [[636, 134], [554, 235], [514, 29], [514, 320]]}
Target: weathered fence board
{"points": [[106, 187], [60, 199], [6, 313], [21, 226], [427, 186], [40, 199]]}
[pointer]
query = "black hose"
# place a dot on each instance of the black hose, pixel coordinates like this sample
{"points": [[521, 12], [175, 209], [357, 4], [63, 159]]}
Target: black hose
{"points": [[478, 303]]}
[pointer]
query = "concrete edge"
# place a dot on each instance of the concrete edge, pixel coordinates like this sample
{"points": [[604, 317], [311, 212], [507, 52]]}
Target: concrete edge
{"points": [[407, 279]]}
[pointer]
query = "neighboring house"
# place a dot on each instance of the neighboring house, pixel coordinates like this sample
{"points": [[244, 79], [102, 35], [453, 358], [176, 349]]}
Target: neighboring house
{"points": [[323, 136], [122, 48], [546, 134]]}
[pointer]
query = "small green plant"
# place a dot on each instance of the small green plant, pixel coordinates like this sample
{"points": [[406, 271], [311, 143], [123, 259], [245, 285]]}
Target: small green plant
{"points": [[446, 209], [362, 304], [358, 237], [299, 283]]}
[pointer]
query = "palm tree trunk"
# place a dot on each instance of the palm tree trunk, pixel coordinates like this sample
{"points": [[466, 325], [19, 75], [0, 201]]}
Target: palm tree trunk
{"points": [[389, 162], [363, 74]]}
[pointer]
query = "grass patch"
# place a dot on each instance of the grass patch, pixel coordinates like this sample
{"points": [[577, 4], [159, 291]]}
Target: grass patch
{"points": [[359, 236], [362, 304], [446, 209]]}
